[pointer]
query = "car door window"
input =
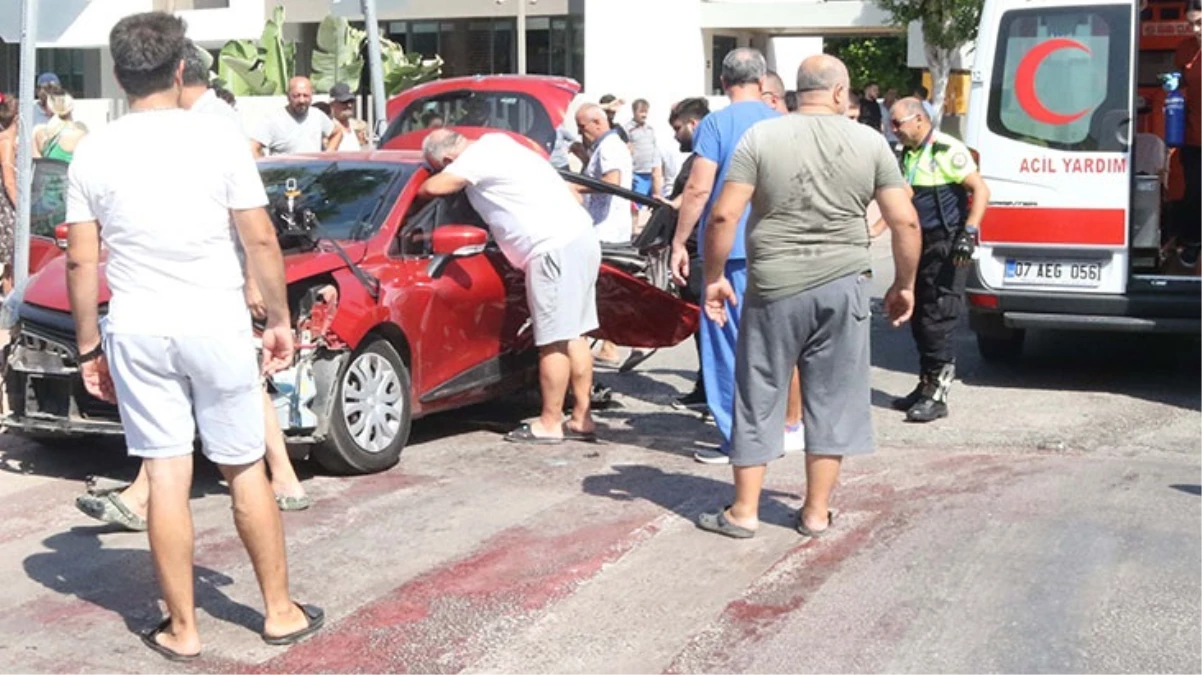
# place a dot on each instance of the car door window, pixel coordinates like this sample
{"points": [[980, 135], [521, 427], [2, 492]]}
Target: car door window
{"points": [[417, 235], [509, 111], [49, 207]]}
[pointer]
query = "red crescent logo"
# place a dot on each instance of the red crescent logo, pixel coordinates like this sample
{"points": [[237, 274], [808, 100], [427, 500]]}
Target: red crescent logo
{"points": [[1024, 81]]}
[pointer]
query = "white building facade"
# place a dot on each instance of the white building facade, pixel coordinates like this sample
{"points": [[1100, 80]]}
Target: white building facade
{"points": [[660, 50]]}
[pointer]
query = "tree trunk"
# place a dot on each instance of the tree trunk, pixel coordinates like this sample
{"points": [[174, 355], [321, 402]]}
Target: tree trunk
{"points": [[939, 62]]}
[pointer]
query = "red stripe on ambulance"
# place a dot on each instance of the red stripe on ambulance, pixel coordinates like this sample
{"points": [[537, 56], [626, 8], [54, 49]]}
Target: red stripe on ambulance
{"points": [[1039, 225]]}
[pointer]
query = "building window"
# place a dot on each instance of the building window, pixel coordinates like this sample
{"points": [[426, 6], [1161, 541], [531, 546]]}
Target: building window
{"points": [[555, 46], [68, 64]]}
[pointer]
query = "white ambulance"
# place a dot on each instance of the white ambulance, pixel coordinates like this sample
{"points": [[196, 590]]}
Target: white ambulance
{"points": [[1072, 238]]}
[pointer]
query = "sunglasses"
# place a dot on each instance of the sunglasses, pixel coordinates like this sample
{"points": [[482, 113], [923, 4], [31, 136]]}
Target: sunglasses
{"points": [[897, 123]]}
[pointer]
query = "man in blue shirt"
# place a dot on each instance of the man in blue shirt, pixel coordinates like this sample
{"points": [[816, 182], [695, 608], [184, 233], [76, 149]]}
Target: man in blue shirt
{"points": [[743, 72]]}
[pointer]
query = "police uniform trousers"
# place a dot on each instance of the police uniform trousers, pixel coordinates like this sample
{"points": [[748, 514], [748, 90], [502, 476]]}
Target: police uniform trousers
{"points": [[938, 300]]}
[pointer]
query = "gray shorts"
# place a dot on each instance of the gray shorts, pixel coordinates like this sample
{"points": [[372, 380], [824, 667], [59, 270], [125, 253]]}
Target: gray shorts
{"points": [[825, 332], [561, 289]]}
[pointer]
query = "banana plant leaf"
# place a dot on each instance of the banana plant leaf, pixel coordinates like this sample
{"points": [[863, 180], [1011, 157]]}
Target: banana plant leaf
{"points": [[337, 55]]}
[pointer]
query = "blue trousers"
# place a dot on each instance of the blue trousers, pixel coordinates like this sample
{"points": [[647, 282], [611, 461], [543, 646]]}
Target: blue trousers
{"points": [[718, 355]]}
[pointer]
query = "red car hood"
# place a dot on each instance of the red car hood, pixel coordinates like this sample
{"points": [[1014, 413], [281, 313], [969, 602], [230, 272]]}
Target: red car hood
{"points": [[48, 288]]}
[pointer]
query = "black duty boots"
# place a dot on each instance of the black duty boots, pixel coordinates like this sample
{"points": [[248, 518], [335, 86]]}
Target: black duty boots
{"points": [[931, 401]]}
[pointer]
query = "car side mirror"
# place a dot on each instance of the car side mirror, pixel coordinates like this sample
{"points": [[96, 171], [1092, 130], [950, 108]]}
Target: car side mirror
{"points": [[60, 235], [455, 241]]}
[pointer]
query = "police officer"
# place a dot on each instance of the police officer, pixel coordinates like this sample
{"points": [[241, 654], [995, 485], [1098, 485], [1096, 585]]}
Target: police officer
{"points": [[941, 174]]}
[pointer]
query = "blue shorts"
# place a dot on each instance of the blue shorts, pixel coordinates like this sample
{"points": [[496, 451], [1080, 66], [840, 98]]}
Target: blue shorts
{"points": [[641, 183]]}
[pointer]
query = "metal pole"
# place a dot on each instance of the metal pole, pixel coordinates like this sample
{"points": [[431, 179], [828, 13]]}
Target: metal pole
{"points": [[377, 69], [29, 55], [521, 37]]}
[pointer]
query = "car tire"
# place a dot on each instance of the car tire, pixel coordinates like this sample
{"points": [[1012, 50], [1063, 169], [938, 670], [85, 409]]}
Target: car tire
{"points": [[359, 442], [1001, 349]]}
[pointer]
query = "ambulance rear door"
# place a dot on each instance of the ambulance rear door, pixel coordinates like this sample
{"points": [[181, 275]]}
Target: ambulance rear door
{"points": [[1051, 117]]}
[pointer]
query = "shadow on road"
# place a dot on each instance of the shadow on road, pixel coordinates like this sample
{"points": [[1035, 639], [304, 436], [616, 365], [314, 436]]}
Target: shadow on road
{"points": [[122, 580], [1195, 490], [1157, 368], [684, 494]]}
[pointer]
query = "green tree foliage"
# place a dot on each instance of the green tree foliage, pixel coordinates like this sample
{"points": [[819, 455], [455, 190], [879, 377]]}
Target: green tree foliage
{"points": [[341, 55], [875, 59], [947, 25], [263, 69]]}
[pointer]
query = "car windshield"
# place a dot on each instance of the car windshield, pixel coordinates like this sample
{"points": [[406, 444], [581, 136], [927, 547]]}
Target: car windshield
{"points": [[507, 110], [349, 198]]}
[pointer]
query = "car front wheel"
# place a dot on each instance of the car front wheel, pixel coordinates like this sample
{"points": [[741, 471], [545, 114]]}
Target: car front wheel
{"points": [[370, 422]]}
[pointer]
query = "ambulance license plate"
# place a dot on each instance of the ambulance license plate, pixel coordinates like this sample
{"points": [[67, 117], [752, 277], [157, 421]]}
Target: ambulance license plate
{"points": [[1053, 273]]}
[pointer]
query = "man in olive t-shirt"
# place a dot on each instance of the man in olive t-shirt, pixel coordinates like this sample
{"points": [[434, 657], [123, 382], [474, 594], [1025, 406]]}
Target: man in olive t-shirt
{"points": [[809, 178]]}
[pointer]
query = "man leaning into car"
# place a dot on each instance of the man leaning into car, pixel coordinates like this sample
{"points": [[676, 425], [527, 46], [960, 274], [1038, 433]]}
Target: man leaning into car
{"points": [[543, 231]]}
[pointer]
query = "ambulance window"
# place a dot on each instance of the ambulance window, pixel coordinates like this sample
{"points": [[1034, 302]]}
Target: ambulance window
{"points": [[1061, 78]]}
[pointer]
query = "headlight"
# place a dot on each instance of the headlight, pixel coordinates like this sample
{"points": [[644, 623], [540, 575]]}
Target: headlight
{"points": [[12, 303]]}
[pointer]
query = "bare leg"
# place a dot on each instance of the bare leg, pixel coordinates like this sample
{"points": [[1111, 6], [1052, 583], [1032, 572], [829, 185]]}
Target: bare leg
{"points": [[749, 481], [822, 472], [262, 531], [170, 525], [608, 351], [581, 361], [283, 477], [554, 372], [793, 411], [136, 497]]}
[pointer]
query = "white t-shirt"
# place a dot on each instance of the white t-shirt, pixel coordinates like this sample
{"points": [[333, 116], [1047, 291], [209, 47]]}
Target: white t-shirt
{"points": [[162, 184], [518, 193], [350, 140], [281, 133], [611, 215], [210, 104]]}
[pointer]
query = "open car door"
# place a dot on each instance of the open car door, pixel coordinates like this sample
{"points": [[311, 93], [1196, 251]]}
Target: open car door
{"points": [[637, 305]]}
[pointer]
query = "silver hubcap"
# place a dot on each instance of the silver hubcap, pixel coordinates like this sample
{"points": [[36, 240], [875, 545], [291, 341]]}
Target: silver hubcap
{"points": [[372, 402]]}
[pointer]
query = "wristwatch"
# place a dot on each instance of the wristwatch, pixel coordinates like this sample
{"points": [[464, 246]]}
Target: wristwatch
{"points": [[95, 353]]}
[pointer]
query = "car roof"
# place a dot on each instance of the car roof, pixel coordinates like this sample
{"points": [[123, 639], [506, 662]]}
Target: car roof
{"points": [[527, 84], [381, 156]]}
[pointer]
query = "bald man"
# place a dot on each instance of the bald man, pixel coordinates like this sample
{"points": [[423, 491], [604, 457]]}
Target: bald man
{"points": [[296, 127], [808, 177]]}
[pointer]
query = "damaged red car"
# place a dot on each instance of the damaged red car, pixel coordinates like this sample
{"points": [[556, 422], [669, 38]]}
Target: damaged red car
{"points": [[402, 308]]}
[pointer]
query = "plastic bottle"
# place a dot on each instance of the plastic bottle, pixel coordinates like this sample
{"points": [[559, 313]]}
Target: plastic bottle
{"points": [[1174, 110]]}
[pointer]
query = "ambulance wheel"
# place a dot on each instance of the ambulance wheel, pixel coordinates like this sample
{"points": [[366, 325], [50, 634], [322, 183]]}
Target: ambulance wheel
{"points": [[1001, 349]]}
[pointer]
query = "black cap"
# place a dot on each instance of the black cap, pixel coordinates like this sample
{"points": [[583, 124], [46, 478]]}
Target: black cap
{"points": [[341, 92]]}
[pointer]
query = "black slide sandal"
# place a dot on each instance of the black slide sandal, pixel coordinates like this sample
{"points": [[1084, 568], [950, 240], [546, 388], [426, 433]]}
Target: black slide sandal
{"points": [[151, 639], [317, 619]]}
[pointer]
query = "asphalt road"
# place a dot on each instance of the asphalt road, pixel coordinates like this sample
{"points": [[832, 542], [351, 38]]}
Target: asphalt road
{"points": [[1051, 524]]}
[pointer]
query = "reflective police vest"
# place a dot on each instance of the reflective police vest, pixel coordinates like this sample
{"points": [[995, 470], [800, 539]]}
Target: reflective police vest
{"points": [[936, 170]]}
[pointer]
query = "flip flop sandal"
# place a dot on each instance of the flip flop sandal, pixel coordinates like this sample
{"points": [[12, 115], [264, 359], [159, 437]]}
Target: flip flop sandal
{"points": [[636, 358], [524, 434], [107, 507], [807, 532], [317, 619], [570, 434], [293, 503], [717, 522], [151, 639]]}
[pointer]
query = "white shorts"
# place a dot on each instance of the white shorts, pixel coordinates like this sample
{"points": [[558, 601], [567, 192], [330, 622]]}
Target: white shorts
{"points": [[168, 388]]}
